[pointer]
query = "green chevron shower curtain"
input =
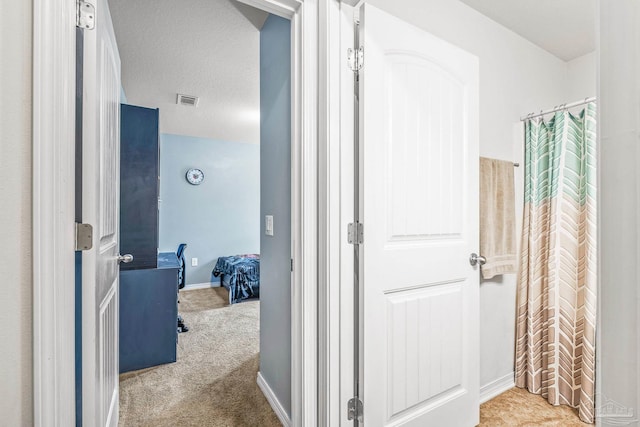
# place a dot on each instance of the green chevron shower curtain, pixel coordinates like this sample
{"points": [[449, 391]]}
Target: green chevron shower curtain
{"points": [[556, 297]]}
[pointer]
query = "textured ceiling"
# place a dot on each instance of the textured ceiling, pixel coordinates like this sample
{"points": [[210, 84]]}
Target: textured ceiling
{"points": [[206, 48], [565, 28]]}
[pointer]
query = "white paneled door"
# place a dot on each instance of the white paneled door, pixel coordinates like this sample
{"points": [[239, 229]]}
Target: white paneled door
{"points": [[419, 207], [100, 208]]}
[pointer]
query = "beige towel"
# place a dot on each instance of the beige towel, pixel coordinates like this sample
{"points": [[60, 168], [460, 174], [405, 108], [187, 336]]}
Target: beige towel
{"points": [[497, 217]]}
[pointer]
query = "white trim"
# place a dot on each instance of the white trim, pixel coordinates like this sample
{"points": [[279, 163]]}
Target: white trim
{"points": [[196, 286], [497, 387], [283, 8], [345, 297], [304, 320], [336, 192], [273, 401], [330, 180], [53, 212], [598, 363]]}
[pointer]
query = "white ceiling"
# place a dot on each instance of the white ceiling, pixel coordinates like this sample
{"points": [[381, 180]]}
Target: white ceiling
{"points": [[206, 48], [565, 28]]}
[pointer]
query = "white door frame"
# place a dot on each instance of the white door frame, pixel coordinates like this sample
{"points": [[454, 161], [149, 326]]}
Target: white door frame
{"points": [[54, 52], [54, 57]]}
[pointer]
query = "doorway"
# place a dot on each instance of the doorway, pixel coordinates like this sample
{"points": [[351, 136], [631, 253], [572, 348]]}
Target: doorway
{"points": [[496, 319], [54, 291], [224, 174], [101, 403]]}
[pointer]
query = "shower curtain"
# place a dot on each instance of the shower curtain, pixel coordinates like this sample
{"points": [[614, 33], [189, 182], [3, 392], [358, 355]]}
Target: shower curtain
{"points": [[556, 297]]}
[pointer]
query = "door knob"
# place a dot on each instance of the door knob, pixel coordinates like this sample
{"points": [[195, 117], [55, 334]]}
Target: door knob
{"points": [[126, 258], [476, 259]]}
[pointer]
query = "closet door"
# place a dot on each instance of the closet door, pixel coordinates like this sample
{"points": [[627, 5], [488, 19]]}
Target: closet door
{"points": [[419, 208]]}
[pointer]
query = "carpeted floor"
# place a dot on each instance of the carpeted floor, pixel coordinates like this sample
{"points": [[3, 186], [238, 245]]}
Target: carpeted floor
{"points": [[213, 383], [519, 408]]}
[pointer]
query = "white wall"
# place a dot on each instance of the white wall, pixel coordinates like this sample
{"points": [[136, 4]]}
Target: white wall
{"points": [[16, 391], [618, 354], [516, 77], [581, 77]]}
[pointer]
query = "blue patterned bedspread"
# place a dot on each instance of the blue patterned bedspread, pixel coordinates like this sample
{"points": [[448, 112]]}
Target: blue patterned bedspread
{"points": [[243, 273]]}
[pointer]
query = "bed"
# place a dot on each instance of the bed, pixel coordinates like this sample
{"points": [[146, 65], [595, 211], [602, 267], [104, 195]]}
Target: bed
{"points": [[240, 274]]}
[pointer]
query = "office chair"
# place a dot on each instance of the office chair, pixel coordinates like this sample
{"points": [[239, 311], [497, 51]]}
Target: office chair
{"points": [[181, 283]]}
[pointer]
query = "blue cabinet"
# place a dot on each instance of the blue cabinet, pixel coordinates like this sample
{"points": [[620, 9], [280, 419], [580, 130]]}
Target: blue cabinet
{"points": [[139, 171], [149, 284], [148, 314]]}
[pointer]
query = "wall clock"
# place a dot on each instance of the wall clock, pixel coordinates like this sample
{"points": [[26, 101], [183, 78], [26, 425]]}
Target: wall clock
{"points": [[195, 176]]}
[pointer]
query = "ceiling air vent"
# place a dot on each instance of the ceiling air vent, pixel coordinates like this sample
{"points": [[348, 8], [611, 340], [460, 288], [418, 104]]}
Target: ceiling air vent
{"points": [[191, 101]]}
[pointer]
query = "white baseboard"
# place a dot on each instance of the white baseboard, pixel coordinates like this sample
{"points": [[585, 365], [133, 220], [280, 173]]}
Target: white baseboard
{"points": [[497, 387], [273, 401], [204, 285]]}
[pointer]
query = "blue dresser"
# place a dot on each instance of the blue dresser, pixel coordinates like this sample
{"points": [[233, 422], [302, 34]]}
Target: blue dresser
{"points": [[148, 314]]}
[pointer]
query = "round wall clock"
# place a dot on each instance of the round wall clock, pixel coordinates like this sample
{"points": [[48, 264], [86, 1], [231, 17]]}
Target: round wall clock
{"points": [[195, 176]]}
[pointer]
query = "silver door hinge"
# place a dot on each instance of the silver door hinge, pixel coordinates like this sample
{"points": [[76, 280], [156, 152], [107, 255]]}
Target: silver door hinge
{"points": [[85, 15], [355, 58], [355, 233], [354, 409], [84, 237]]}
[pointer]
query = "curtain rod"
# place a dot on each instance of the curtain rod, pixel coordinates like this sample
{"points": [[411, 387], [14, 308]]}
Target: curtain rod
{"points": [[557, 108]]}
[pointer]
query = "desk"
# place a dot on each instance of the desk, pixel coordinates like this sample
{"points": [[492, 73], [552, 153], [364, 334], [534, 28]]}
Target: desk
{"points": [[148, 314]]}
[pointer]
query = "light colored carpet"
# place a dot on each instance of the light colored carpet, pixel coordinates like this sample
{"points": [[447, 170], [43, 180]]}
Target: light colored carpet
{"points": [[213, 383], [519, 408]]}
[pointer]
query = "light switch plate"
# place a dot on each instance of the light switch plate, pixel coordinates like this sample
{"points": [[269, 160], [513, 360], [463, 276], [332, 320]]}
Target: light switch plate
{"points": [[268, 225], [194, 262]]}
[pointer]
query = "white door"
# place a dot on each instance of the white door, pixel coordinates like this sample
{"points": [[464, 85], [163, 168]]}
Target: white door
{"points": [[100, 208], [419, 208]]}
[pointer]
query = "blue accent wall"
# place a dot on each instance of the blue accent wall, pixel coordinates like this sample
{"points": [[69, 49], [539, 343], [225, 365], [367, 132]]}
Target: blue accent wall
{"points": [[219, 217], [275, 199]]}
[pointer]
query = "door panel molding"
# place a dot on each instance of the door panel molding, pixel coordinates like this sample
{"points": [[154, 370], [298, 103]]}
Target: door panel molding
{"points": [[100, 208], [418, 198]]}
